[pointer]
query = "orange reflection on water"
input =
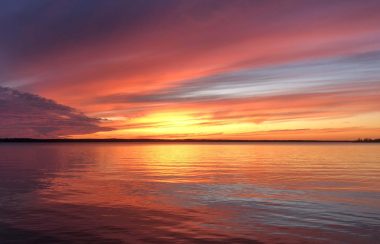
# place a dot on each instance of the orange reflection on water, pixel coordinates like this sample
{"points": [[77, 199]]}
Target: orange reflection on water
{"points": [[123, 175], [170, 162], [126, 173], [214, 190]]}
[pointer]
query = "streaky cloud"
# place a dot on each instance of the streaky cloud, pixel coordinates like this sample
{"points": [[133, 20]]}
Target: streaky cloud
{"points": [[323, 75]]}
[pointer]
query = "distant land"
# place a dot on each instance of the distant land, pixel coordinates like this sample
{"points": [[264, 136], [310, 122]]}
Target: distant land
{"points": [[60, 140]]}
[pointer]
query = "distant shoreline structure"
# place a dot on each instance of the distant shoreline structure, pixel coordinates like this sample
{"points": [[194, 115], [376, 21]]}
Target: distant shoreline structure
{"points": [[67, 140]]}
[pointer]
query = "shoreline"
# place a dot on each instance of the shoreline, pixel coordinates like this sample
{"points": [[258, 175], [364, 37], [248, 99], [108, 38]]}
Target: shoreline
{"points": [[115, 140]]}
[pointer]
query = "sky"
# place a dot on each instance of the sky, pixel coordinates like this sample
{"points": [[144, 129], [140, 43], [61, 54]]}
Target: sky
{"points": [[202, 69]]}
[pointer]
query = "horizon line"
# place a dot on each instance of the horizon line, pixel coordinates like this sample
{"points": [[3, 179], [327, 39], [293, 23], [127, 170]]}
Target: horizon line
{"points": [[171, 140]]}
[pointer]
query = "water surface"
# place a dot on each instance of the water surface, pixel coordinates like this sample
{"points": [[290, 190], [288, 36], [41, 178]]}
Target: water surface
{"points": [[152, 192]]}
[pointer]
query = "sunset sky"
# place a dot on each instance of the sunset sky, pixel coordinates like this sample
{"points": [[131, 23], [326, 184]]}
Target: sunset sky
{"points": [[211, 69]]}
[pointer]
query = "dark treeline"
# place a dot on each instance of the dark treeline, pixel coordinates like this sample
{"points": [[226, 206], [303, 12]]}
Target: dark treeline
{"points": [[367, 140], [23, 140]]}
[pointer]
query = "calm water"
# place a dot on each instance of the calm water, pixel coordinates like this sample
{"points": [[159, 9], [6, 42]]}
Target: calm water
{"points": [[124, 192]]}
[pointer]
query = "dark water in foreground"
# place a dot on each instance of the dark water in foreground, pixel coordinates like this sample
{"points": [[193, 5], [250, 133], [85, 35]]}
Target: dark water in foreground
{"points": [[135, 193]]}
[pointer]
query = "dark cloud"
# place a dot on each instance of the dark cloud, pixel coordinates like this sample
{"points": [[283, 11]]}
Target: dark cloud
{"points": [[41, 29], [36, 28], [28, 115], [89, 41]]}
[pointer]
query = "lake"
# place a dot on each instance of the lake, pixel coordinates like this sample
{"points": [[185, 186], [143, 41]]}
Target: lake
{"points": [[189, 192]]}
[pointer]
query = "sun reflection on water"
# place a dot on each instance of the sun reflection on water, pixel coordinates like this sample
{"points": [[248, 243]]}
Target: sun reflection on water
{"points": [[206, 191]]}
